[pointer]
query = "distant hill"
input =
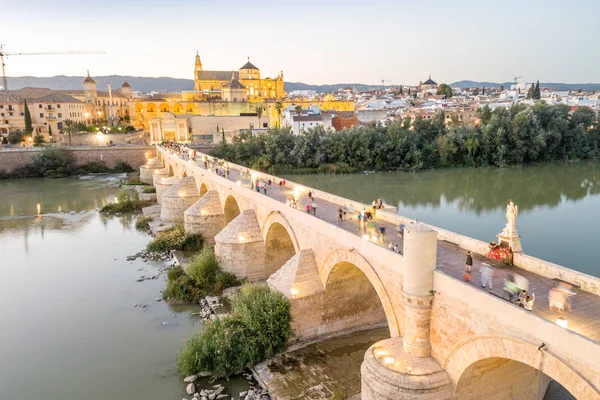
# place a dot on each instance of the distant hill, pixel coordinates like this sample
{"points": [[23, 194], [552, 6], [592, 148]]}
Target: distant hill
{"points": [[166, 84], [552, 85]]}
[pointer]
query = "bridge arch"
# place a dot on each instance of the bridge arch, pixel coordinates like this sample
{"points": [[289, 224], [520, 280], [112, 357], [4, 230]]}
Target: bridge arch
{"points": [[231, 209], [280, 242], [171, 173], [203, 189], [495, 351], [347, 271]]}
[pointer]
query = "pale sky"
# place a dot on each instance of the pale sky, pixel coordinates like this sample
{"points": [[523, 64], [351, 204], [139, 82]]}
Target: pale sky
{"points": [[312, 41]]}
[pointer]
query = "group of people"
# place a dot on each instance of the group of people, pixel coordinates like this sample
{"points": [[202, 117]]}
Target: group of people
{"points": [[559, 297], [261, 185], [175, 148], [395, 248]]}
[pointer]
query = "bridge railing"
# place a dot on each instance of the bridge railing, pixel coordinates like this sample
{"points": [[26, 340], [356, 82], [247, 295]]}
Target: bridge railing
{"points": [[525, 262]]}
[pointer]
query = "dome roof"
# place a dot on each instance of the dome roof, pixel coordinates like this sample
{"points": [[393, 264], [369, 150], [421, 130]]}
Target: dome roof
{"points": [[125, 84], [234, 84], [429, 81], [249, 65], [89, 79]]}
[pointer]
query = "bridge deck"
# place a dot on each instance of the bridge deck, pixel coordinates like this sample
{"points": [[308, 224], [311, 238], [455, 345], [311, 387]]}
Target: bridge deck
{"points": [[584, 319]]}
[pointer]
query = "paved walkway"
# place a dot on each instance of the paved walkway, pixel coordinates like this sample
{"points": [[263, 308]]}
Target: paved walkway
{"points": [[584, 319]]}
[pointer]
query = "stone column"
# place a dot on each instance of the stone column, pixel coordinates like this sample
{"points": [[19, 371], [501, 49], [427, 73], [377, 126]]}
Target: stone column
{"points": [[420, 252], [164, 185], [148, 169], [160, 176], [205, 216], [177, 199]]}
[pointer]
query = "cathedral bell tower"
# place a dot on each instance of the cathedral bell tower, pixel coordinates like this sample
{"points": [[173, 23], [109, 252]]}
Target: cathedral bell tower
{"points": [[198, 64]]}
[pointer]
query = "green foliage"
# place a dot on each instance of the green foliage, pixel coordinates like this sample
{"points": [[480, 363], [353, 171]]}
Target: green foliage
{"points": [[122, 166], [38, 140], [27, 116], [204, 270], [445, 90], [134, 182], [69, 127], [520, 135], [149, 189], [53, 162], [258, 328], [95, 167], [143, 223], [127, 201], [175, 238], [15, 136]]}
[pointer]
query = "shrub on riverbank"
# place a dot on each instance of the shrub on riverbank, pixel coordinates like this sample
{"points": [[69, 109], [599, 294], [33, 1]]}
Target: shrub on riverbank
{"points": [[127, 201], [204, 277], [258, 328], [176, 238], [134, 182], [143, 223], [149, 189]]}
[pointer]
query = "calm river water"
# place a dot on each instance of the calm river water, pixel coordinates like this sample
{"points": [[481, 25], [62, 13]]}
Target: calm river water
{"points": [[559, 204], [68, 325]]}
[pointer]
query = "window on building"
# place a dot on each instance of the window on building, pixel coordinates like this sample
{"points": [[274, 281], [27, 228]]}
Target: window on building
{"points": [[59, 115], [58, 106], [41, 115], [1, 114], [1, 106], [41, 106], [10, 114], [22, 114], [265, 125]]}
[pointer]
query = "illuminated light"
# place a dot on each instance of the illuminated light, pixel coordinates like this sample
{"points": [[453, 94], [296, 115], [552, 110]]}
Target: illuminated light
{"points": [[366, 237], [241, 238], [156, 171], [180, 194], [409, 369], [253, 177], [203, 212], [388, 360], [162, 179], [39, 208], [239, 183], [562, 322], [294, 293], [379, 353]]}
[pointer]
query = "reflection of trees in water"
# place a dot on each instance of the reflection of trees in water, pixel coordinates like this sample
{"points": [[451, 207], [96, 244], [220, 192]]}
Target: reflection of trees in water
{"points": [[476, 190]]}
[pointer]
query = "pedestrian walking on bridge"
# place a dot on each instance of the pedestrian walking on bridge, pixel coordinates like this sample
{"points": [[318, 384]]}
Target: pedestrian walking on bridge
{"points": [[469, 262]]}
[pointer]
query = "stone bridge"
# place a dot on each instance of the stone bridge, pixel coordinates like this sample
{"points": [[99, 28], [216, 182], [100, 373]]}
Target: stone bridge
{"points": [[448, 339]]}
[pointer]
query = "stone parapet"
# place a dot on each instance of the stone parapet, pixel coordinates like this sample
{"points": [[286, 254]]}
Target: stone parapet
{"points": [[241, 248], [390, 373], [177, 199], [205, 216]]}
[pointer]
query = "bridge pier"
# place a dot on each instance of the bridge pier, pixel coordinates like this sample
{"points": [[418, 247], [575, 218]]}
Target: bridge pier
{"points": [[177, 199], [164, 185], [205, 216], [159, 176], [402, 368], [148, 169], [241, 248]]}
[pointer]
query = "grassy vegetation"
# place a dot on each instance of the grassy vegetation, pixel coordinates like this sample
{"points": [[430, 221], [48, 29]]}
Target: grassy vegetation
{"points": [[127, 201], [258, 328], [176, 238], [134, 183], [204, 277], [143, 223], [149, 189]]}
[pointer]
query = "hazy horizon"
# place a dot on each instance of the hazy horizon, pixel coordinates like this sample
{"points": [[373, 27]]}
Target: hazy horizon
{"points": [[312, 42]]}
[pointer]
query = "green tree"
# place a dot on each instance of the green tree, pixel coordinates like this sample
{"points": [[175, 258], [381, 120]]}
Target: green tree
{"points": [[50, 130], [28, 125], [445, 90], [15, 136], [476, 92], [502, 88], [38, 140], [298, 109], [401, 91], [409, 91], [531, 91], [279, 108], [69, 126], [537, 94], [259, 113], [483, 91]]}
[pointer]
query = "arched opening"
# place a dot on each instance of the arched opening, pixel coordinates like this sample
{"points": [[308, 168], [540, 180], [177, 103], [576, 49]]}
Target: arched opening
{"points": [[139, 108], [171, 170], [231, 209], [504, 379], [203, 190], [184, 174], [151, 107], [279, 248], [164, 107], [351, 301], [177, 108]]}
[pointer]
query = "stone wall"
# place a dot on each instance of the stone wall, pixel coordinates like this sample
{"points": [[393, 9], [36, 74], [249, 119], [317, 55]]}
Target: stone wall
{"points": [[134, 155]]}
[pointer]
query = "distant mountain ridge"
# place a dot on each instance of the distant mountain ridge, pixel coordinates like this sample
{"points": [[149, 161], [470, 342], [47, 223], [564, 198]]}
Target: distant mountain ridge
{"points": [[166, 84]]}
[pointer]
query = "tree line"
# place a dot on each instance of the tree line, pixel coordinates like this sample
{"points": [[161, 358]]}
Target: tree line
{"points": [[519, 135]]}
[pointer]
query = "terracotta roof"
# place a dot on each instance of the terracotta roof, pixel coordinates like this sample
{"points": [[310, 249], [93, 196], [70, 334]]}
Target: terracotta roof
{"points": [[89, 79], [216, 75], [9, 98], [32, 92], [126, 84], [234, 84], [429, 81], [56, 97]]}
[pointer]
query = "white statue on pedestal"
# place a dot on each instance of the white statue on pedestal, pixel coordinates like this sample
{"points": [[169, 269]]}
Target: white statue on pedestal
{"points": [[509, 233]]}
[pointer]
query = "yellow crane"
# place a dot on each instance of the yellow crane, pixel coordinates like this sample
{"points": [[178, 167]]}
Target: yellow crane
{"points": [[38, 53]]}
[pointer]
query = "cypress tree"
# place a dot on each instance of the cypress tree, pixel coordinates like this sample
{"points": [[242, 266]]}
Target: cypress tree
{"points": [[401, 92], [483, 91], [538, 93], [28, 125], [49, 130], [409, 91]]}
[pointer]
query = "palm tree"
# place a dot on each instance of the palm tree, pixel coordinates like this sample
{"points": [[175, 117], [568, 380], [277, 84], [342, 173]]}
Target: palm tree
{"points": [[259, 112], [69, 126], [279, 108], [298, 109]]}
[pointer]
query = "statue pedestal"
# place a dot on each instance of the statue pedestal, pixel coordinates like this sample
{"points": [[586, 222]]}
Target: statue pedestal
{"points": [[511, 238]]}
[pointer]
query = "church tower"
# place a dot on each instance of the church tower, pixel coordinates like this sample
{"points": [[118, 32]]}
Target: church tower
{"points": [[198, 64], [89, 88]]}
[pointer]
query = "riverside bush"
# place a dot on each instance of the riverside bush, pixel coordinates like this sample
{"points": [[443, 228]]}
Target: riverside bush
{"points": [[258, 328], [127, 201], [204, 277], [176, 238], [149, 189], [95, 167], [143, 223], [122, 166]]}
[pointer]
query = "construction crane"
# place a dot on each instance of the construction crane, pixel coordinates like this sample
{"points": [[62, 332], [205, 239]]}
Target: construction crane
{"points": [[39, 53], [383, 81], [516, 79]]}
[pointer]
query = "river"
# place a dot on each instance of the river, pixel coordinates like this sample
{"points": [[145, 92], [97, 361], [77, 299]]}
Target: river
{"points": [[559, 218], [71, 321]]}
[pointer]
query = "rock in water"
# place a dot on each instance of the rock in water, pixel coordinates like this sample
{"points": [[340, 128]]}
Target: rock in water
{"points": [[243, 394], [219, 390], [221, 396], [190, 379], [190, 389]]}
